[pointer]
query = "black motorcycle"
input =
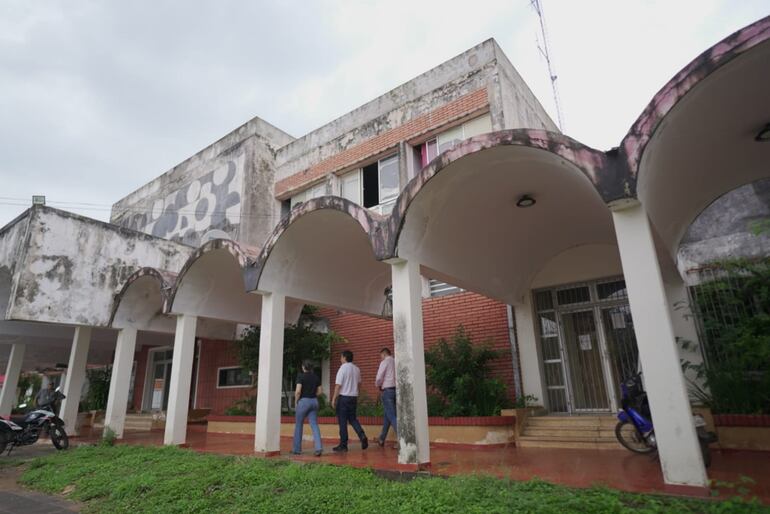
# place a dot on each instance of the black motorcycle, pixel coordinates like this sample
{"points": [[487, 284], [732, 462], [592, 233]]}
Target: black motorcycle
{"points": [[27, 429]]}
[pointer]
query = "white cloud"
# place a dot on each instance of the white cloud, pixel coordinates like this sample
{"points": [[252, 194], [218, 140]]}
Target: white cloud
{"points": [[100, 98]]}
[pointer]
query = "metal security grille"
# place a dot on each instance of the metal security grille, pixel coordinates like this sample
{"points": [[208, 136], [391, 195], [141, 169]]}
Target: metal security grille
{"points": [[587, 344]]}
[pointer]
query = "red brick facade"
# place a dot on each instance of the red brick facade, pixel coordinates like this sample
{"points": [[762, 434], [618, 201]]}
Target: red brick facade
{"points": [[470, 103], [483, 318], [215, 355]]}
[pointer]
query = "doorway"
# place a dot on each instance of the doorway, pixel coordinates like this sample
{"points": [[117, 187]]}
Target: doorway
{"points": [[587, 345], [158, 379]]}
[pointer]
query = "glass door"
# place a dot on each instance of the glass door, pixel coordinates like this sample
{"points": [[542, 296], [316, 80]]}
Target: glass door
{"points": [[586, 370]]}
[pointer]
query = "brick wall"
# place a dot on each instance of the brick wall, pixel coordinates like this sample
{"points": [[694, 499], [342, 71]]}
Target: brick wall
{"points": [[454, 110], [214, 355], [483, 318]]}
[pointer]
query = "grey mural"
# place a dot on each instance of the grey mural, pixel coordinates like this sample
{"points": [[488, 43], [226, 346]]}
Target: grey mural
{"points": [[209, 202]]}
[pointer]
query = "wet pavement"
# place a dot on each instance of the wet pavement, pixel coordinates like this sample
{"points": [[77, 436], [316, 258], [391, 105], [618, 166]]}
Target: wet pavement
{"points": [[618, 469], [15, 499]]}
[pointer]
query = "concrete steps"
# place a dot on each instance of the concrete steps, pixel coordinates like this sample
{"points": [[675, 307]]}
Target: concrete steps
{"points": [[138, 422], [577, 432]]}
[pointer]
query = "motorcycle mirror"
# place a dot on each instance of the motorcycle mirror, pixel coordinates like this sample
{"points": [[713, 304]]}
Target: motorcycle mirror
{"points": [[58, 389], [23, 406]]}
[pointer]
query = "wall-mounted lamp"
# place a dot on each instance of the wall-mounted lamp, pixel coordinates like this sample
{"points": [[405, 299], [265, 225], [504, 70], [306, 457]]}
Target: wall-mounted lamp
{"points": [[525, 201], [763, 136]]}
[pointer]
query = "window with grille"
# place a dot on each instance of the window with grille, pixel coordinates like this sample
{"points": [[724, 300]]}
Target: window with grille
{"points": [[438, 288]]}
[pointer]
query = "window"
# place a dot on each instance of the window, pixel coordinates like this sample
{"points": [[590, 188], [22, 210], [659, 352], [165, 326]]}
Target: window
{"points": [[438, 288], [233, 377], [375, 186], [308, 194], [430, 149]]}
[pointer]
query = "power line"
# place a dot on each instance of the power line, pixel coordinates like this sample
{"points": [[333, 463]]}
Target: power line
{"points": [[544, 49]]}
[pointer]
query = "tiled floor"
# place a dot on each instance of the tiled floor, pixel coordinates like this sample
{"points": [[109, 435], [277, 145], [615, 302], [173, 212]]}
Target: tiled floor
{"points": [[579, 468]]}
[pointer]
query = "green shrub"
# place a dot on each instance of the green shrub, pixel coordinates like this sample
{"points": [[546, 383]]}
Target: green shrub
{"points": [[458, 373], [98, 388], [734, 311]]}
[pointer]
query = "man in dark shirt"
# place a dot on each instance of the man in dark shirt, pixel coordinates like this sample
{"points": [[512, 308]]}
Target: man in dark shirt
{"points": [[306, 406]]}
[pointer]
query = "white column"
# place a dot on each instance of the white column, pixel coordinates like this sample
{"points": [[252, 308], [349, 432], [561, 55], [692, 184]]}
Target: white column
{"points": [[117, 398], [411, 394], [526, 330], [12, 372], [267, 433], [680, 456], [181, 378], [76, 376]]}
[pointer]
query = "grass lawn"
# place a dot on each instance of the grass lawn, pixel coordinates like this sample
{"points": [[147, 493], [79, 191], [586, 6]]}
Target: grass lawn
{"points": [[139, 479]]}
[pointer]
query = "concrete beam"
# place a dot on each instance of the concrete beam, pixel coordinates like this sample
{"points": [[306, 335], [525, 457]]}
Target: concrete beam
{"points": [[267, 433], [181, 378], [678, 447], [411, 395], [76, 377], [12, 372]]}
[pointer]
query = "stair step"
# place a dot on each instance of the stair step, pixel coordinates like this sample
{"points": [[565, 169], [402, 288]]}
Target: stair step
{"points": [[575, 445], [549, 421], [569, 432]]}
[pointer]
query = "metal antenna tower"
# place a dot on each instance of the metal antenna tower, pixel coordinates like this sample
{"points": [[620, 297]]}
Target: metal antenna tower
{"points": [[538, 6]]}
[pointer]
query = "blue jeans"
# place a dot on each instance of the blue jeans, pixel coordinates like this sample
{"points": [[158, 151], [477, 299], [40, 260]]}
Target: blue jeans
{"points": [[306, 408], [389, 406], [346, 413]]}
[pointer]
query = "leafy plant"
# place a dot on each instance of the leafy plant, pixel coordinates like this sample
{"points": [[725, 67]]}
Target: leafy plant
{"points": [[525, 401], [458, 374], [734, 312], [28, 387], [108, 437], [306, 340], [98, 388]]}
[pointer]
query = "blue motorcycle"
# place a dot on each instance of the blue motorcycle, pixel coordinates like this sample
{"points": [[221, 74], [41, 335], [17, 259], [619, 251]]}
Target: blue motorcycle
{"points": [[634, 429]]}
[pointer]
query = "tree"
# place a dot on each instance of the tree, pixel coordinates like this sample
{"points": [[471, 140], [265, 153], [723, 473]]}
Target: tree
{"points": [[306, 340]]}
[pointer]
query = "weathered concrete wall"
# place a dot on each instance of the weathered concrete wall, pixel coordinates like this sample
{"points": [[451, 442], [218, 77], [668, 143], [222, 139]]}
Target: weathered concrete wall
{"points": [[226, 186], [71, 266], [425, 105], [519, 105], [11, 238], [469, 71], [724, 229]]}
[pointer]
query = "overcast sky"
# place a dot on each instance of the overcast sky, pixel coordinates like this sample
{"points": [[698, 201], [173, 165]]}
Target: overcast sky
{"points": [[98, 98]]}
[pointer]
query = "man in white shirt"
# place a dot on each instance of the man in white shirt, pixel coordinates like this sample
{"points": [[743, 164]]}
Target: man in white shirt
{"points": [[386, 383], [345, 401]]}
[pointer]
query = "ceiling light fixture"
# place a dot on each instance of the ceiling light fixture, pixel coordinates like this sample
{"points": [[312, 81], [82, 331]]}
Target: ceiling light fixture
{"points": [[525, 201], [763, 136]]}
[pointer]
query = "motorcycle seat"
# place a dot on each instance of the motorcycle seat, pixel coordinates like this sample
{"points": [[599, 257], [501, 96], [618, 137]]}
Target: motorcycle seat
{"points": [[19, 420]]}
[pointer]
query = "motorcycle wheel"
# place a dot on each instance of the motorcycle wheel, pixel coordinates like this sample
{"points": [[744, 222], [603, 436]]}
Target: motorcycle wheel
{"points": [[4, 440], [631, 439], [59, 437]]}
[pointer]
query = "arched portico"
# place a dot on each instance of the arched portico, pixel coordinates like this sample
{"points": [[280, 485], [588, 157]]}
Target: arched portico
{"points": [[322, 253], [460, 220]]}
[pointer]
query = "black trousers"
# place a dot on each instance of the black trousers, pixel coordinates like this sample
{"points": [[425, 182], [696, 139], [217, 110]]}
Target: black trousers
{"points": [[346, 413]]}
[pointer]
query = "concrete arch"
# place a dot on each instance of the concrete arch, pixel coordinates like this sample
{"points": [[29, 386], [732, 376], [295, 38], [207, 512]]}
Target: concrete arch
{"points": [[600, 168], [458, 218], [139, 303], [700, 129], [317, 243], [212, 284]]}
